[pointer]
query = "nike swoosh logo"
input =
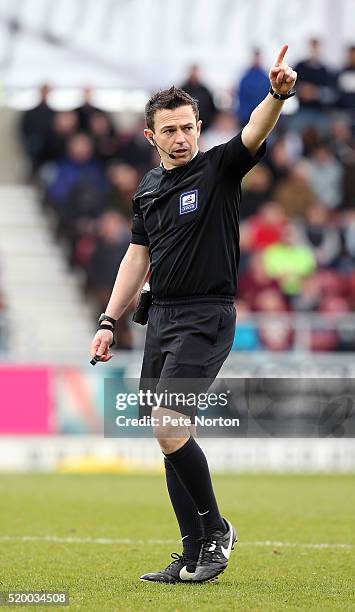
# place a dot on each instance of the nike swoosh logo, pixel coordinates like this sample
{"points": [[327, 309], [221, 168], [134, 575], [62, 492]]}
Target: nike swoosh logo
{"points": [[185, 575], [202, 513], [227, 551]]}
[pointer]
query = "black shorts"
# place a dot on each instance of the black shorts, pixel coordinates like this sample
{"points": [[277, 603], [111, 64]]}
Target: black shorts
{"points": [[187, 339]]}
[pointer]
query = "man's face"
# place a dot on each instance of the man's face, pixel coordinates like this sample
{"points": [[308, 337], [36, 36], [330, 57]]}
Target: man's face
{"points": [[177, 132], [315, 48]]}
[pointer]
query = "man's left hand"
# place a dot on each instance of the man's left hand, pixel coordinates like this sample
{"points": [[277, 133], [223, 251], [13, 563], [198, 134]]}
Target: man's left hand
{"points": [[282, 76]]}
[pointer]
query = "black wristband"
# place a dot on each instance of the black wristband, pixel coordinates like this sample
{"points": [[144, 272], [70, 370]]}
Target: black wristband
{"points": [[109, 328], [279, 96], [104, 317]]}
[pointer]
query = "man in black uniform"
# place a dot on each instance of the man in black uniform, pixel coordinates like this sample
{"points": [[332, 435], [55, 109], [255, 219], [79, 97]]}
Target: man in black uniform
{"points": [[185, 228]]}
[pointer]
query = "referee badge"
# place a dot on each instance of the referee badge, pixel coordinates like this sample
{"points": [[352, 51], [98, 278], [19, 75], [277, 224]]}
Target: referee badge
{"points": [[188, 202]]}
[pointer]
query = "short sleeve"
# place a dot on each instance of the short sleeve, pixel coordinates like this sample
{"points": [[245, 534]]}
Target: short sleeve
{"points": [[139, 234], [233, 159]]}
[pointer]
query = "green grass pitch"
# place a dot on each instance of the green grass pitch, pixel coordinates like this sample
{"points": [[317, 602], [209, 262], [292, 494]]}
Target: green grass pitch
{"points": [[105, 530]]}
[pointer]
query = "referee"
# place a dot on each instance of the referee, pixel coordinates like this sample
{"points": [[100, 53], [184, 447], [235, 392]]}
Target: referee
{"points": [[186, 231]]}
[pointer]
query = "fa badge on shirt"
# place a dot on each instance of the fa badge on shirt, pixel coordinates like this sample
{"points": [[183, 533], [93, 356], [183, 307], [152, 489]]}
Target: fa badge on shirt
{"points": [[188, 202]]}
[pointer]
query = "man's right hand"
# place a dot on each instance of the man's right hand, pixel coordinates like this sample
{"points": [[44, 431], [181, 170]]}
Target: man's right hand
{"points": [[100, 345]]}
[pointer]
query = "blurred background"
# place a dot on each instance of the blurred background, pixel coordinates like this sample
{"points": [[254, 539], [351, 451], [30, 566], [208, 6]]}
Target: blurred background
{"points": [[74, 78]]}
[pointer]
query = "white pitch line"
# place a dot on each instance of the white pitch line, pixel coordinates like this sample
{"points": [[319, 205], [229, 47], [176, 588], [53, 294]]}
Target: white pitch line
{"points": [[296, 544], [130, 542]]}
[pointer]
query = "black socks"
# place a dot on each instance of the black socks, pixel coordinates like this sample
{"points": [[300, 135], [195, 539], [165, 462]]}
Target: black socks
{"points": [[190, 465], [186, 514]]}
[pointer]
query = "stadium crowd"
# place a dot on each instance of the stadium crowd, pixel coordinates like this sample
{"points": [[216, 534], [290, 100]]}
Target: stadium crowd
{"points": [[298, 209]]}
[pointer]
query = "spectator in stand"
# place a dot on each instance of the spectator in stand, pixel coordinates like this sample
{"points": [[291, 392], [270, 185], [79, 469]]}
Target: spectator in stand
{"points": [[348, 224], [321, 235], [86, 109], [316, 291], [35, 124], [346, 86], [350, 283], [252, 89], [279, 160], [343, 141], [331, 283], [325, 176], [123, 181], [315, 90], [222, 130], [254, 280], [137, 152], [294, 193], [309, 297], [289, 262], [310, 140], [346, 261], [275, 334], [103, 134], [78, 187], [65, 125], [79, 163], [111, 245], [194, 86], [84, 244], [343, 145], [256, 190], [266, 227]]}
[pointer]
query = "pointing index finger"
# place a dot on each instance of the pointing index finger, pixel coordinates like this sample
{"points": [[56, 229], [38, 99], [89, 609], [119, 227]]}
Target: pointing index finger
{"points": [[281, 55]]}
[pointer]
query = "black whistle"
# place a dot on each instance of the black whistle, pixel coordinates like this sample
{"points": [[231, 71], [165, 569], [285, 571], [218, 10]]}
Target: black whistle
{"points": [[95, 360]]}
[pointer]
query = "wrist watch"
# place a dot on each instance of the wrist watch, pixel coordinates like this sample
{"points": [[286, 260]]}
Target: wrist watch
{"points": [[279, 96], [104, 317]]}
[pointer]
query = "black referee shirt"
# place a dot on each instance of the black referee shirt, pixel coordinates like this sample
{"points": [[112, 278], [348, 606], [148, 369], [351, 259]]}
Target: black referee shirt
{"points": [[189, 218]]}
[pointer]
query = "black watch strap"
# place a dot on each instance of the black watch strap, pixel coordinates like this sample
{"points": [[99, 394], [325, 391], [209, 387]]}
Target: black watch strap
{"points": [[279, 96], [104, 317]]}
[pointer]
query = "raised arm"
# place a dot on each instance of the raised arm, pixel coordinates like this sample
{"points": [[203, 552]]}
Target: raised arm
{"points": [[264, 117]]}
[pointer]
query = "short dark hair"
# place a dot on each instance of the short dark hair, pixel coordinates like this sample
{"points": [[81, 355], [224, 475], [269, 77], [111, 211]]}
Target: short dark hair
{"points": [[168, 99]]}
